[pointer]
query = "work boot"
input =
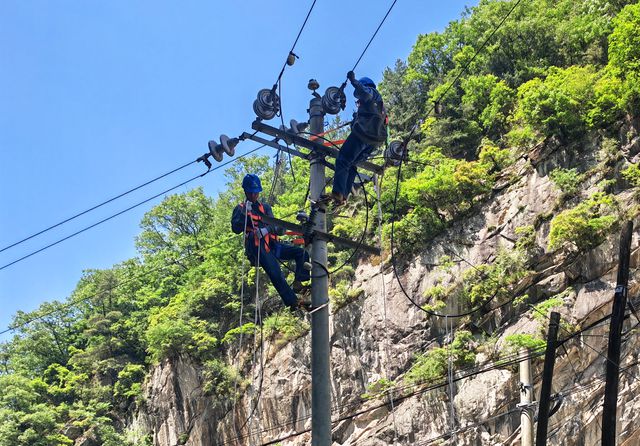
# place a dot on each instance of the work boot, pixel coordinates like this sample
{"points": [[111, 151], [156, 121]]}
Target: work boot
{"points": [[335, 198], [304, 304], [300, 288]]}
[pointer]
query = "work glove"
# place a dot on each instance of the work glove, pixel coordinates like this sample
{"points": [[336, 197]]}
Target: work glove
{"points": [[351, 76], [262, 232]]}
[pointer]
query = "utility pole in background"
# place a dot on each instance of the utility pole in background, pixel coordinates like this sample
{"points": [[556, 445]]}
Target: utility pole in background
{"points": [[320, 354], [547, 377], [526, 398], [615, 333]]}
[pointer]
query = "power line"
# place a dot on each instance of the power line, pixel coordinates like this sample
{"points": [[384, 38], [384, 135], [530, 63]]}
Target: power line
{"points": [[295, 42], [97, 206], [146, 273], [104, 220], [398, 176], [435, 386], [470, 372], [374, 35], [132, 189], [291, 56], [468, 64]]}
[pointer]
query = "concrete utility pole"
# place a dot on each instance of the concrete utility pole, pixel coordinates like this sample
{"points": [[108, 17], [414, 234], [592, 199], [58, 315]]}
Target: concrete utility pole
{"points": [[547, 378], [320, 355], [526, 398], [615, 333]]}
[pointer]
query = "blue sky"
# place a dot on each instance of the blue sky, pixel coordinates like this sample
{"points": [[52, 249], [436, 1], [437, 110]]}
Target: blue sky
{"points": [[98, 97]]}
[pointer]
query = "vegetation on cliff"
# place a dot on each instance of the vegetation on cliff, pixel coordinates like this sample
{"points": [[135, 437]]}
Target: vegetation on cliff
{"points": [[560, 70]]}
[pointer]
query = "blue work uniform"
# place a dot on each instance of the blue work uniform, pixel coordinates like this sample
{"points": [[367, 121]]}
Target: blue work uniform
{"points": [[270, 249], [368, 132]]}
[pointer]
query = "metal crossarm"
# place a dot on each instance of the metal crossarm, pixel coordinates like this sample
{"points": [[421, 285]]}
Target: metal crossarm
{"points": [[311, 145], [274, 144], [323, 235]]}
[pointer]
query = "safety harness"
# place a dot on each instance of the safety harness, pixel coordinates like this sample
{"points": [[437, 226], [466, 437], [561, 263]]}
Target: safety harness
{"points": [[256, 219]]}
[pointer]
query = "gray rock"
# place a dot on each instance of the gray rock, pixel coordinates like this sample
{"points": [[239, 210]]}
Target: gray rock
{"points": [[378, 335]]}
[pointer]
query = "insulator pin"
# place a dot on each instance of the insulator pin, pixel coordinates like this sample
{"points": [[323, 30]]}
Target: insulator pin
{"points": [[267, 104], [333, 100], [394, 153]]}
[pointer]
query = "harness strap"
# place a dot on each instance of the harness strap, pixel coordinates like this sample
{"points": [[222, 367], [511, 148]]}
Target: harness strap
{"points": [[256, 219]]}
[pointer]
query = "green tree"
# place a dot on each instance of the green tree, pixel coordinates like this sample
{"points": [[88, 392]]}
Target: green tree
{"points": [[586, 225], [175, 231], [558, 105], [624, 55]]}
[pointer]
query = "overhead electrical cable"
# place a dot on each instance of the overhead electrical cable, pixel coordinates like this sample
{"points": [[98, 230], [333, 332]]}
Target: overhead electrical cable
{"points": [[75, 302], [295, 42], [423, 389], [98, 205], [374, 35], [500, 363], [569, 332], [240, 321], [398, 176], [104, 220], [291, 56]]}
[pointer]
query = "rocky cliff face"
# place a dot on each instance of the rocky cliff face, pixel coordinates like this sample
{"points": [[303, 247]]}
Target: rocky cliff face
{"points": [[377, 336]]}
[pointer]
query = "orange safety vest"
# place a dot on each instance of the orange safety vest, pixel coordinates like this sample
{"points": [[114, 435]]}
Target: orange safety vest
{"points": [[255, 224]]}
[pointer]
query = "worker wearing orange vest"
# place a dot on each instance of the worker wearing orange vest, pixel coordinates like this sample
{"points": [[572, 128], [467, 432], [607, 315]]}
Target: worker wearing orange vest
{"points": [[261, 243]]}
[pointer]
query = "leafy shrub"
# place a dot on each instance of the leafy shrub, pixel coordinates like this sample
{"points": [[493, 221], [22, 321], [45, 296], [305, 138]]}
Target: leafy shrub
{"points": [[496, 280], [632, 174], [378, 388], [417, 225], [521, 340], [488, 100], [173, 330], [542, 310], [494, 157], [129, 384], [521, 135], [218, 379], [428, 367], [166, 337], [432, 366], [284, 327], [442, 190], [445, 263], [231, 335], [558, 104], [437, 292], [624, 55], [526, 241], [436, 295], [586, 225], [567, 180], [435, 306], [342, 293], [609, 101]]}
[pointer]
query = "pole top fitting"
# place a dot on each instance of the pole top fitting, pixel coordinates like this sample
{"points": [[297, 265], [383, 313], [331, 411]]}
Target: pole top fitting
{"points": [[313, 85]]}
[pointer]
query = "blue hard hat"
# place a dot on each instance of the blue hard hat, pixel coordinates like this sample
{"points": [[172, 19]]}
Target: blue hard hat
{"points": [[251, 183], [367, 82]]}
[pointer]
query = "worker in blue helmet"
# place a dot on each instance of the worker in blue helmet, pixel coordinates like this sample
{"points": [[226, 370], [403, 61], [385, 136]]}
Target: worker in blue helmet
{"points": [[368, 131], [263, 246]]}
